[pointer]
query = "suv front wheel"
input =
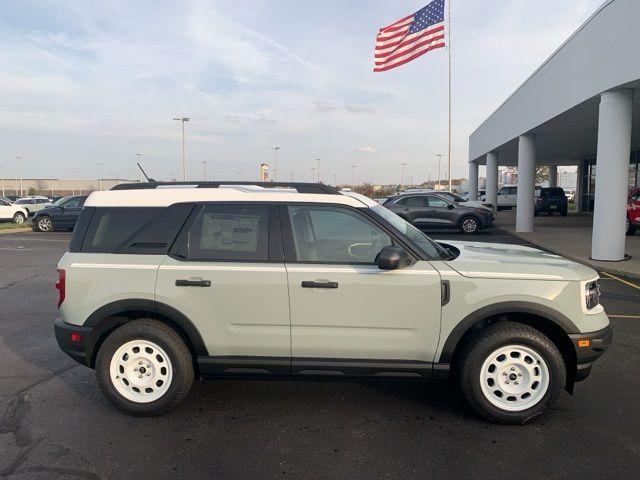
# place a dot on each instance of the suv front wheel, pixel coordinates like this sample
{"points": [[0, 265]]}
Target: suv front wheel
{"points": [[511, 373], [144, 368]]}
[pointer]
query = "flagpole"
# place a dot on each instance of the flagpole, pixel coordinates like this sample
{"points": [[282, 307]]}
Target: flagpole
{"points": [[449, 34]]}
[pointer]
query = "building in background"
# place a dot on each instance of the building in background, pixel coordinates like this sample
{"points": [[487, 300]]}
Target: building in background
{"points": [[578, 108], [55, 186]]}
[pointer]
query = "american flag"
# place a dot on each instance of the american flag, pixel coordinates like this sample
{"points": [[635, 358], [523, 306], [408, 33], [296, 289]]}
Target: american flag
{"points": [[410, 37]]}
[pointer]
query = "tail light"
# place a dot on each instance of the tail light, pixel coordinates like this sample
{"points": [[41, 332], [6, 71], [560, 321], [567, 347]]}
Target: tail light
{"points": [[61, 285]]}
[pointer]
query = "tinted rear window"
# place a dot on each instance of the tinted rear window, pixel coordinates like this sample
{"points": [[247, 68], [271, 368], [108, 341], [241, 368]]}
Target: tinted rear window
{"points": [[552, 192], [110, 227]]}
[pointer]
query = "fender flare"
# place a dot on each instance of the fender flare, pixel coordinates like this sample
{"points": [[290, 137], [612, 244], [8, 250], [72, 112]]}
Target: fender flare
{"points": [[502, 308], [108, 317]]}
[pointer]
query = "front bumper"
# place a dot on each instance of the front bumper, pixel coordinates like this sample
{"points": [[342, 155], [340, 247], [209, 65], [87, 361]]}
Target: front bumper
{"points": [[80, 346], [589, 347]]}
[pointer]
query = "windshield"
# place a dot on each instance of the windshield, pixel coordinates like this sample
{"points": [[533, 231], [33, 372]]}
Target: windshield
{"points": [[418, 239], [62, 200]]}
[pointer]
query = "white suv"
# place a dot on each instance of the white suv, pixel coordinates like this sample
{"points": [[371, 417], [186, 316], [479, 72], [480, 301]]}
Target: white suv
{"points": [[163, 284]]}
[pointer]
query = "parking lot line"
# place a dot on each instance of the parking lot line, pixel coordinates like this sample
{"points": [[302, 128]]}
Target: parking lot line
{"points": [[624, 316], [613, 277], [31, 239]]}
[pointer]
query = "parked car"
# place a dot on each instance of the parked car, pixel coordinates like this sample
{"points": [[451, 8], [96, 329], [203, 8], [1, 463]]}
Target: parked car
{"points": [[633, 211], [507, 196], [15, 213], [465, 201], [11, 198], [62, 215], [33, 204], [570, 194], [434, 210], [550, 200], [160, 285]]}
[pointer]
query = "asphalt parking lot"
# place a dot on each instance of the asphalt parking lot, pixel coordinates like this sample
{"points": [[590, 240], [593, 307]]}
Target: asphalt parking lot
{"points": [[54, 423]]}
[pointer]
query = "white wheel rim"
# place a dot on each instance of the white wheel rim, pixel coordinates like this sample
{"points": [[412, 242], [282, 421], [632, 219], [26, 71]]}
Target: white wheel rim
{"points": [[141, 371], [469, 225], [44, 224], [19, 218], [514, 378]]}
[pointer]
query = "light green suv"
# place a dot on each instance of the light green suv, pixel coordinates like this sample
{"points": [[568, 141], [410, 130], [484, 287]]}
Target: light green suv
{"points": [[166, 282]]}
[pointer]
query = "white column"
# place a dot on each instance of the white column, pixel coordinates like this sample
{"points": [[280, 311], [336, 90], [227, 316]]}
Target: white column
{"points": [[526, 183], [553, 176], [614, 149], [492, 178], [473, 181]]}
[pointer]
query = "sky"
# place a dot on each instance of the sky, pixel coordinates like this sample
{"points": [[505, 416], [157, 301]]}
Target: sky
{"points": [[84, 83]]}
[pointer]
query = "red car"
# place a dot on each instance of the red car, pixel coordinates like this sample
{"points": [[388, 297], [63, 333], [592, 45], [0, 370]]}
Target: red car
{"points": [[633, 211]]}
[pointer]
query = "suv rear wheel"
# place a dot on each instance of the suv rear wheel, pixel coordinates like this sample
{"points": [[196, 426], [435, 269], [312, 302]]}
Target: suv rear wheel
{"points": [[19, 217], [144, 368], [511, 373]]}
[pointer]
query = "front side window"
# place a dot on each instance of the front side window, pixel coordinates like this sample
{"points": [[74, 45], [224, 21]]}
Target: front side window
{"points": [[230, 233], [335, 235], [73, 202], [437, 202]]}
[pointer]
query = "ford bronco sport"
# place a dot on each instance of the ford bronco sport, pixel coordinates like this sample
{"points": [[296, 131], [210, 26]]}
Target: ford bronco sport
{"points": [[166, 282]]}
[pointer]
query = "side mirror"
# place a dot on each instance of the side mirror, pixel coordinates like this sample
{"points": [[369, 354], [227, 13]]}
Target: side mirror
{"points": [[392, 258], [449, 206]]}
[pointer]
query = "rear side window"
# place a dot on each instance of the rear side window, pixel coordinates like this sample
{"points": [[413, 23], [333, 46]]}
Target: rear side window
{"points": [[229, 233], [413, 202], [552, 192], [111, 226]]}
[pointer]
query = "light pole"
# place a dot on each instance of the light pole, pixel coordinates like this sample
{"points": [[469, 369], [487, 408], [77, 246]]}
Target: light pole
{"points": [[402, 165], [439, 155], [73, 183], [318, 160], [204, 170], [353, 177], [275, 162], [184, 158], [19, 158], [313, 174], [2, 178], [99, 181]]}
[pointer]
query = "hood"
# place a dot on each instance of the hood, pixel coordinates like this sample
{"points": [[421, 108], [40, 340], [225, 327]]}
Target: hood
{"points": [[517, 262]]}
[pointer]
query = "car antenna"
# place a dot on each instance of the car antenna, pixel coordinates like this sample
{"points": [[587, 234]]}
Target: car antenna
{"points": [[144, 173]]}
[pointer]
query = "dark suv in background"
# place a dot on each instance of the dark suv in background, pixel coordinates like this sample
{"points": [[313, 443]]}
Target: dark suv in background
{"points": [[62, 215], [551, 200], [434, 210]]}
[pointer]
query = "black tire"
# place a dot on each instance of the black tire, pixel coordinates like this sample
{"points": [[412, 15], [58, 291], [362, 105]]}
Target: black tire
{"points": [[536, 213], [167, 339], [564, 212], [42, 225], [479, 349], [19, 218], [631, 229], [469, 225]]}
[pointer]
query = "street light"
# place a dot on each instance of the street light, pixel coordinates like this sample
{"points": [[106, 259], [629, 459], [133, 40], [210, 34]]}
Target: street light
{"points": [[19, 158], [353, 177], [275, 162], [402, 165], [204, 170], [184, 158], [439, 155], [318, 160], [2, 178], [99, 181], [313, 174]]}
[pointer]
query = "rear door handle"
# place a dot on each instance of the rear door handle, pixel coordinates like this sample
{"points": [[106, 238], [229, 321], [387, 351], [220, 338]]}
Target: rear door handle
{"points": [[193, 283], [312, 284]]}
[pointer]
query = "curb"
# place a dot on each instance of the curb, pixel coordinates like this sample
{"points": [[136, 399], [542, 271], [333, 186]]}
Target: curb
{"points": [[572, 257], [15, 230]]}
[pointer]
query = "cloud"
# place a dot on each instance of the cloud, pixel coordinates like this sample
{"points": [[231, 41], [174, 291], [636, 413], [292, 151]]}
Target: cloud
{"points": [[366, 149], [329, 106]]}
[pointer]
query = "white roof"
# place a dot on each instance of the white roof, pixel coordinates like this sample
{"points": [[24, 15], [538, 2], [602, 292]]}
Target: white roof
{"points": [[162, 197]]}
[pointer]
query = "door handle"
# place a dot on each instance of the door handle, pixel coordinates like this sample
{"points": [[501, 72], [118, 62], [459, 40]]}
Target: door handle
{"points": [[312, 284], [193, 283]]}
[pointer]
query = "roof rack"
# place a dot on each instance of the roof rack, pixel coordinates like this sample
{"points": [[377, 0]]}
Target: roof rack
{"points": [[300, 187]]}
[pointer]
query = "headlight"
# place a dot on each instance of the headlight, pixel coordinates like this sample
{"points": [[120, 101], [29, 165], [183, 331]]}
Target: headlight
{"points": [[592, 294]]}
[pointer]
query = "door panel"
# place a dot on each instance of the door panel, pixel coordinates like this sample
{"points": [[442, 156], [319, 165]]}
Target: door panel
{"points": [[350, 309], [226, 276], [244, 311], [372, 314]]}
